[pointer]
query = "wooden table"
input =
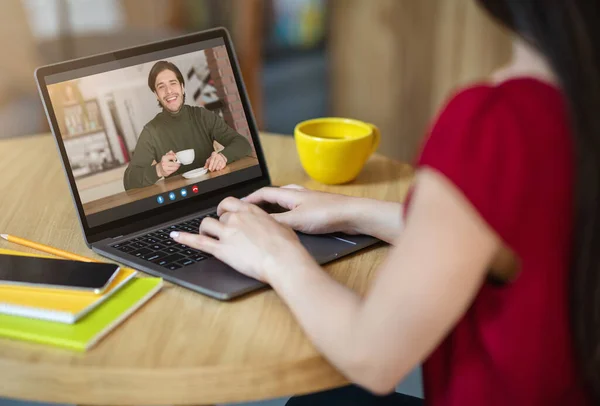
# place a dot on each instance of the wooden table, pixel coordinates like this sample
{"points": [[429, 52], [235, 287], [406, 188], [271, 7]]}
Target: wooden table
{"points": [[162, 186], [181, 347]]}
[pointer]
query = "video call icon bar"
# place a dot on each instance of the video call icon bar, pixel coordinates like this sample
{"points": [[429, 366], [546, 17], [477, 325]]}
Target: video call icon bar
{"points": [[173, 196]]}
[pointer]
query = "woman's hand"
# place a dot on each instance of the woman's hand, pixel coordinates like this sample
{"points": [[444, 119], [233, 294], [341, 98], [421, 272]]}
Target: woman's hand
{"points": [[314, 212], [247, 239], [309, 211]]}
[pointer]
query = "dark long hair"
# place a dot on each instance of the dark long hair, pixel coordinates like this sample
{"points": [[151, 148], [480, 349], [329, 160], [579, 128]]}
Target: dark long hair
{"points": [[567, 33]]}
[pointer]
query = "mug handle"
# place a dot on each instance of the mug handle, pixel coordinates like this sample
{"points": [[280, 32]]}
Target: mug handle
{"points": [[376, 138]]}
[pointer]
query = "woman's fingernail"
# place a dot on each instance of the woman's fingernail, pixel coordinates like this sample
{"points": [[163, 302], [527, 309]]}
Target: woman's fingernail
{"points": [[174, 234], [242, 199]]}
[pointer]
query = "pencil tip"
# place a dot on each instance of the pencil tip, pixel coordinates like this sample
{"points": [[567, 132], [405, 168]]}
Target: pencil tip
{"points": [[5, 236]]}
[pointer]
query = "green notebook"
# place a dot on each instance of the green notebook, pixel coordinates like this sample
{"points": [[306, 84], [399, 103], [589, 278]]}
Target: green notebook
{"points": [[90, 329]]}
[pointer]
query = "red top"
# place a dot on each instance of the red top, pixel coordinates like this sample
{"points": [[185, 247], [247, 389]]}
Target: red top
{"points": [[509, 149]]}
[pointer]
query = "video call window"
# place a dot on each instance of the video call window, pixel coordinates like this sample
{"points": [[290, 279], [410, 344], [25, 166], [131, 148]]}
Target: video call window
{"points": [[153, 130]]}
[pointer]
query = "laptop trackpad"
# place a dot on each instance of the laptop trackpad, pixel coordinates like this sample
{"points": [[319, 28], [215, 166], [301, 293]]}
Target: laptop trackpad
{"points": [[323, 248]]}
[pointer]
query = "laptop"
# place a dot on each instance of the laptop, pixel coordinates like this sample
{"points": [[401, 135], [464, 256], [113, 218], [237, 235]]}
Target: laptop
{"points": [[116, 117]]}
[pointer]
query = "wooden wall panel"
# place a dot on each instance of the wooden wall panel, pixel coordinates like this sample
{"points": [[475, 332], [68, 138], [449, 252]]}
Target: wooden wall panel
{"points": [[393, 62]]}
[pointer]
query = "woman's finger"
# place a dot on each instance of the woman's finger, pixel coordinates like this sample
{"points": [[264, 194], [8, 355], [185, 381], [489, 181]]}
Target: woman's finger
{"points": [[225, 217], [231, 204], [197, 241], [290, 218], [212, 227], [286, 198], [292, 186]]}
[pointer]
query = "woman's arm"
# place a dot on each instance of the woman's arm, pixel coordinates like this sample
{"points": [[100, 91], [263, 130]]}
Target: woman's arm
{"points": [[419, 293], [320, 213], [377, 218], [421, 290]]}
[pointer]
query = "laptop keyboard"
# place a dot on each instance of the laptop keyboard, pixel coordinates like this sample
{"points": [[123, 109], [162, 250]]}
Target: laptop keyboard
{"points": [[157, 247]]}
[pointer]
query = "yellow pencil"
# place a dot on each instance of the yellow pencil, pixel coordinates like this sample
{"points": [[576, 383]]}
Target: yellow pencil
{"points": [[46, 248]]}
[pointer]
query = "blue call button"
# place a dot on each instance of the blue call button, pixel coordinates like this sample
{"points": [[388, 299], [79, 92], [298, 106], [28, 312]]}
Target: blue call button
{"points": [[160, 199], [183, 192]]}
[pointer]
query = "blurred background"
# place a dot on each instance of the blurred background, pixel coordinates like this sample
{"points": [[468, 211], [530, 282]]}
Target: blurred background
{"points": [[390, 62]]}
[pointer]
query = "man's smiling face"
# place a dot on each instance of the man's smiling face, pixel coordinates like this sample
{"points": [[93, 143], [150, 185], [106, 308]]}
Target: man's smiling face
{"points": [[169, 91]]}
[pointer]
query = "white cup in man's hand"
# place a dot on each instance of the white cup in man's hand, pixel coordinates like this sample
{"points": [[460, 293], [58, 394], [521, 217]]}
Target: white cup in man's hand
{"points": [[185, 157]]}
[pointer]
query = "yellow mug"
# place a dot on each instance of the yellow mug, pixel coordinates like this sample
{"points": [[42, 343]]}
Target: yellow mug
{"points": [[334, 150]]}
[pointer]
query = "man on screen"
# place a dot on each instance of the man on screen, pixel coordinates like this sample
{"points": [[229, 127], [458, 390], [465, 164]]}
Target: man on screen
{"points": [[176, 128]]}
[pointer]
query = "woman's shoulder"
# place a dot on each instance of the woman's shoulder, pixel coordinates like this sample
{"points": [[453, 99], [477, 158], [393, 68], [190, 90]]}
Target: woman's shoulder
{"points": [[492, 121], [517, 104], [495, 141], [487, 96]]}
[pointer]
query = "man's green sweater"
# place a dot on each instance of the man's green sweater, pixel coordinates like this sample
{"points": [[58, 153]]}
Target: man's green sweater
{"points": [[191, 127]]}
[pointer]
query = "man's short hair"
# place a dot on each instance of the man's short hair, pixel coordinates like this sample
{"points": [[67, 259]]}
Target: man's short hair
{"points": [[158, 68]]}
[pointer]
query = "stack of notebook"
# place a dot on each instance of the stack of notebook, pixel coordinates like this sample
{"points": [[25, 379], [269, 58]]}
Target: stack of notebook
{"points": [[71, 319]]}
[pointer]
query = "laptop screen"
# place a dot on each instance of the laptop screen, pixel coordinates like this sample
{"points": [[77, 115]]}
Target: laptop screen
{"points": [[151, 130]]}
